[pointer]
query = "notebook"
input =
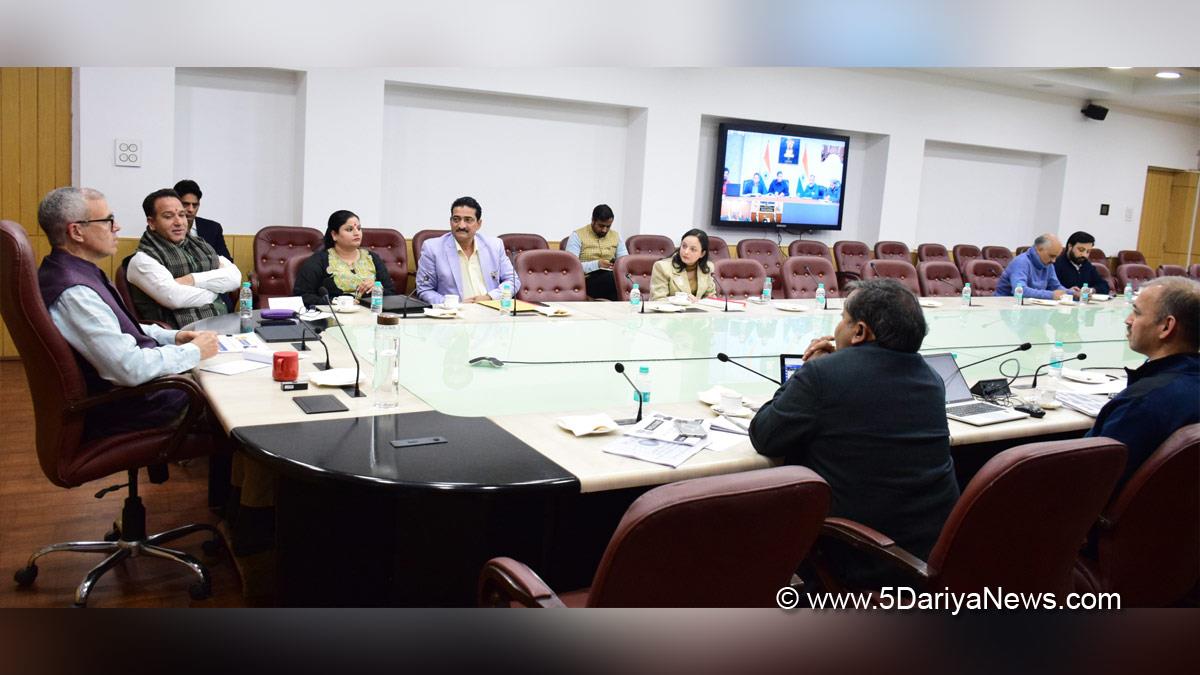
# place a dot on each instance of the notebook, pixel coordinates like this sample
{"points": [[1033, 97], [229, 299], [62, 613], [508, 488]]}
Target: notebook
{"points": [[960, 403]]}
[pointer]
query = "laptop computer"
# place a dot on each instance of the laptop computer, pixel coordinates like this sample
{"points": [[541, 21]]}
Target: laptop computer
{"points": [[789, 364], [398, 304], [960, 403]]}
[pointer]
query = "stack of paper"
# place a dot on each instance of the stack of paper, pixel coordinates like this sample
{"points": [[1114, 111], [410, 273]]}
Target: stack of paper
{"points": [[657, 439]]}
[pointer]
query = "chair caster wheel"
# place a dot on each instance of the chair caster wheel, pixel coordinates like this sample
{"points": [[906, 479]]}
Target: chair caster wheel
{"points": [[200, 590], [26, 575], [211, 547]]}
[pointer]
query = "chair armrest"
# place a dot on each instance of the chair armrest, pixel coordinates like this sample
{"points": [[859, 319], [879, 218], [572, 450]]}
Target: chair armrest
{"points": [[504, 580], [875, 544], [195, 405]]}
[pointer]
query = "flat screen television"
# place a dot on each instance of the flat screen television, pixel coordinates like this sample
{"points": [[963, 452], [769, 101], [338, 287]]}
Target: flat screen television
{"points": [[779, 175]]}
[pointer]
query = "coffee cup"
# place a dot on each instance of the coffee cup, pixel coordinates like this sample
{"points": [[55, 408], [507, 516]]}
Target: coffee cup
{"points": [[730, 402], [285, 366], [450, 302], [343, 302]]}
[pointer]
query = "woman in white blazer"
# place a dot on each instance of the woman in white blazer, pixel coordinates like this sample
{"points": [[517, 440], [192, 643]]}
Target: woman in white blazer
{"points": [[686, 271]]}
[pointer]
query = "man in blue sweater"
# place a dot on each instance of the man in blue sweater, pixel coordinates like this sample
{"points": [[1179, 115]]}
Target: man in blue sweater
{"points": [[1034, 270]]}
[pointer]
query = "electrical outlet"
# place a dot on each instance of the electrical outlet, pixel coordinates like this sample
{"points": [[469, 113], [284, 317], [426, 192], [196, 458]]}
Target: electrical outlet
{"points": [[127, 152]]}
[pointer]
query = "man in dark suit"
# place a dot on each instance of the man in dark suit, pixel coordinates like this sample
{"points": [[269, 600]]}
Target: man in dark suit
{"points": [[869, 416], [208, 230]]}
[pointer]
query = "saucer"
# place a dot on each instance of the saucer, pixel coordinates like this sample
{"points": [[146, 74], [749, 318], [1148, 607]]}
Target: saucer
{"points": [[739, 412], [439, 313], [789, 307], [665, 307], [681, 302], [346, 309]]}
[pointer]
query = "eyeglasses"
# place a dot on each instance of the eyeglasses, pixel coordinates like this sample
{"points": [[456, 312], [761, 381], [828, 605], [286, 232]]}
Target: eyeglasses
{"points": [[111, 220]]}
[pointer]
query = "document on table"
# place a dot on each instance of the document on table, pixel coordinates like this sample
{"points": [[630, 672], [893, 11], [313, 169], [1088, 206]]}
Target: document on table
{"points": [[234, 367], [239, 342], [1085, 403], [650, 450], [660, 427]]}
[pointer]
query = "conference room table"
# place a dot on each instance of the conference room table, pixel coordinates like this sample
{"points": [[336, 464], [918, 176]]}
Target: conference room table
{"points": [[359, 521]]}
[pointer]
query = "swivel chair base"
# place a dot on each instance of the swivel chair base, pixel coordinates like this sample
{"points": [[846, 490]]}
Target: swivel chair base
{"points": [[129, 540]]}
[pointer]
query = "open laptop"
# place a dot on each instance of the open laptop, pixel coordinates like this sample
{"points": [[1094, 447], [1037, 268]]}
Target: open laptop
{"points": [[960, 403]]}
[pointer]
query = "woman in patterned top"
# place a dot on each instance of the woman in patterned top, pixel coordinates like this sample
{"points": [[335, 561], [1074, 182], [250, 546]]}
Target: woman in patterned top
{"points": [[343, 267]]}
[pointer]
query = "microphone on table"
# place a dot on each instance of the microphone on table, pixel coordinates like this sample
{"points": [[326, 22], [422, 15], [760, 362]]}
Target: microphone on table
{"points": [[620, 368], [970, 298], [724, 358], [808, 272], [721, 291], [629, 278], [357, 393], [486, 361], [1077, 357], [303, 346], [1023, 347]]}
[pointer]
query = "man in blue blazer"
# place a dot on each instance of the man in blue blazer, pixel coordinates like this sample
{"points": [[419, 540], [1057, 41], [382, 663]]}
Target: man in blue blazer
{"points": [[463, 262]]}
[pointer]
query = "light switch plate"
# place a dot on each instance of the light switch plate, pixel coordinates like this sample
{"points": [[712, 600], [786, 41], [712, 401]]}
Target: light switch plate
{"points": [[127, 152]]}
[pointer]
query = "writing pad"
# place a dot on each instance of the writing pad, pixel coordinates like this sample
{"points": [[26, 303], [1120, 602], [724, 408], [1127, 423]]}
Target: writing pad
{"points": [[321, 403]]}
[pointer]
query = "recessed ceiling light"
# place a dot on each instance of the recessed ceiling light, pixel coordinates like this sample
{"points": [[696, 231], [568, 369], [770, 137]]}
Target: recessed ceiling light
{"points": [[1120, 67], [1168, 75]]}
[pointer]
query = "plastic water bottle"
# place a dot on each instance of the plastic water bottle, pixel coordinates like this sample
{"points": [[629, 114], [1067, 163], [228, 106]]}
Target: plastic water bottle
{"points": [[1019, 294], [643, 384], [507, 306], [766, 294], [377, 297], [1056, 368], [246, 308], [1085, 294], [966, 295], [635, 298], [385, 382], [1129, 293], [821, 296]]}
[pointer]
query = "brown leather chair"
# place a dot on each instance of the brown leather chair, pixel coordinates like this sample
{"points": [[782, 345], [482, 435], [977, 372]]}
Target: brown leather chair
{"points": [[1128, 257], [802, 273], [639, 268], [939, 278], [562, 245], [390, 247], [1171, 271], [121, 283], [1105, 274], [650, 244], [809, 247], [1194, 271], [517, 243], [984, 276], [60, 403], [1148, 537], [273, 247], [702, 542], [1021, 249], [1012, 528], [1097, 255], [418, 240], [739, 278], [851, 257], [932, 252], [548, 276], [1133, 273], [892, 250], [1000, 254], [899, 270], [766, 252], [718, 249], [963, 255]]}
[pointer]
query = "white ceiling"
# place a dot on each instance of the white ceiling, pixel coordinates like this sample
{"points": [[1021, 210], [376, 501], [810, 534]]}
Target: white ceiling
{"points": [[1134, 88]]}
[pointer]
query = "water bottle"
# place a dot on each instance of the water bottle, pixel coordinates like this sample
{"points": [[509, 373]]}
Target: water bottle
{"points": [[385, 384], [643, 384], [1085, 294], [1129, 293], [1056, 367], [246, 308], [377, 297], [821, 296], [507, 306], [766, 294], [1019, 294], [635, 298], [966, 295]]}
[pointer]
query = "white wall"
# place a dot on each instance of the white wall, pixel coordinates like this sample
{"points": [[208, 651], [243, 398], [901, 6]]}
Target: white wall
{"points": [[892, 114]]}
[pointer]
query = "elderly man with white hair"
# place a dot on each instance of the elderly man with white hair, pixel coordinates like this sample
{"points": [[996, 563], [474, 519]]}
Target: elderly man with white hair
{"points": [[1034, 271]]}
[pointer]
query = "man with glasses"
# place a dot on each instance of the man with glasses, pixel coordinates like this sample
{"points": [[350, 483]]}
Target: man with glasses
{"points": [[173, 277], [111, 347], [463, 262]]}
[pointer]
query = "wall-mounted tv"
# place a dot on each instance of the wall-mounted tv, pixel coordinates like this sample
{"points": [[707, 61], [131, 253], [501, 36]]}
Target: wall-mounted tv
{"points": [[779, 175]]}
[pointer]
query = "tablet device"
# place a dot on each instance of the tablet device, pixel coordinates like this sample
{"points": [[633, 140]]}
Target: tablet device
{"points": [[321, 403], [788, 364]]}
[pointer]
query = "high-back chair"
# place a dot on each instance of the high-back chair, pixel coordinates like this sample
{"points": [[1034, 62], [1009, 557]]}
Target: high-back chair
{"points": [[766, 252], [550, 276], [1148, 537], [1171, 271], [1133, 273], [1194, 271], [899, 270], [562, 244], [932, 252], [892, 250], [121, 283], [639, 269], [1097, 255], [1012, 528], [984, 277], [809, 247], [802, 273], [964, 254], [1000, 254], [718, 249], [273, 247], [1105, 274], [1130, 257], [650, 244], [1021, 249], [389, 245], [60, 404], [697, 543], [939, 278], [517, 243], [418, 242], [851, 257], [739, 278]]}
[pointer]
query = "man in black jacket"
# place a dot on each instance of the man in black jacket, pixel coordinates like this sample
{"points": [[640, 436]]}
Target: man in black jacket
{"points": [[1073, 267], [869, 416]]}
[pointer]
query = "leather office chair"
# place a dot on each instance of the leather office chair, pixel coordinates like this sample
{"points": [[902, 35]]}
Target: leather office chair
{"points": [[548, 276], [963, 255], [766, 252], [418, 241], [562, 245], [389, 245], [1000, 254], [939, 278], [1171, 271], [1148, 537], [932, 252], [892, 250], [1194, 271], [650, 244], [1012, 528], [851, 257], [739, 278], [802, 273], [515, 244], [60, 404], [1102, 270], [696, 543], [273, 247], [1133, 273], [984, 277], [1097, 255], [121, 283], [718, 249], [1130, 257], [899, 270], [808, 247], [639, 268], [1020, 250]]}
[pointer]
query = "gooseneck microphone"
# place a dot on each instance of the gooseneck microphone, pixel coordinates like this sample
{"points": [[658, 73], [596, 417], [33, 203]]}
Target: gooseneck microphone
{"points": [[721, 290], [808, 272], [629, 278], [724, 358], [620, 368], [1023, 347], [357, 393], [1077, 357], [303, 346]]}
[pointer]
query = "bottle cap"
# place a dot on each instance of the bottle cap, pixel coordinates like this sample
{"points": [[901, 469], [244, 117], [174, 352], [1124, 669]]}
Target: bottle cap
{"points": [[644, 369]]}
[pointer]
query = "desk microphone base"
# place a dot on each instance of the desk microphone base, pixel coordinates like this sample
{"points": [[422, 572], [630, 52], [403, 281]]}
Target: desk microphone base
{"points": [[300, 347], [349, 389]]}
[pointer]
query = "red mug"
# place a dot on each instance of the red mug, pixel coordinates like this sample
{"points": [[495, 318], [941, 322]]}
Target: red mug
{"points": [[286, 366]]}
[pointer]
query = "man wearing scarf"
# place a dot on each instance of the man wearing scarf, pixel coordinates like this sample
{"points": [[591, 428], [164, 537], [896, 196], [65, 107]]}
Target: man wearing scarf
{"points": [[175, 278]]}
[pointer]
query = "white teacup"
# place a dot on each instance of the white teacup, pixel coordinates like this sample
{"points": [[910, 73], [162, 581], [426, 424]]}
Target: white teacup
{"points": [[450, 302], [343, 301], [730, 402]]}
